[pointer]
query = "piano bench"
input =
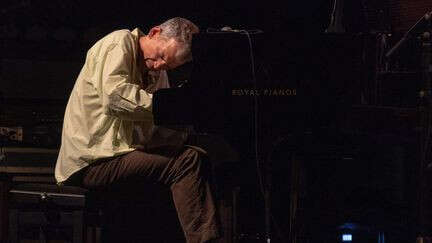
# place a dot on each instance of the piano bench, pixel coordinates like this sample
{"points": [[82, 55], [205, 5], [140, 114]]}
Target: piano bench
{"points": [[51, 212], [73, 214]]}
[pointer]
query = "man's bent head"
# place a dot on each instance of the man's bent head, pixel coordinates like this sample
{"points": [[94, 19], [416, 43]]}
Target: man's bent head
{"points": [[168, 45]]}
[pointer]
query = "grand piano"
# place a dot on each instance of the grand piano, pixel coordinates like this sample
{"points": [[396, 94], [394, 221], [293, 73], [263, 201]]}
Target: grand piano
{"points": [[316, 104]]}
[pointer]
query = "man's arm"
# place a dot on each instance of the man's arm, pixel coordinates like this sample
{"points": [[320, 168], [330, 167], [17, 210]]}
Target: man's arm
{"points": [[121, 98]]}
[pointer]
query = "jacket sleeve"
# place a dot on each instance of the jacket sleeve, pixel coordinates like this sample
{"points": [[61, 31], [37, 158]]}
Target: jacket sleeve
{"points": [[121, 97]]}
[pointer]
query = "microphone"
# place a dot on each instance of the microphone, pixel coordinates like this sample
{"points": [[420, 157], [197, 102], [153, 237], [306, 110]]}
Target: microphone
{"points": [[229, 29], [181, 83]]}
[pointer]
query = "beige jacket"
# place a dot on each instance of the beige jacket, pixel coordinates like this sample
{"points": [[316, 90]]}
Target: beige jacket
{"points": [[107, 101]]}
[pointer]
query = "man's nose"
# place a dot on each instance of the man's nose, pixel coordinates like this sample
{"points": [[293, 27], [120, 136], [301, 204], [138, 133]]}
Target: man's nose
{"points": [[158, 65]]}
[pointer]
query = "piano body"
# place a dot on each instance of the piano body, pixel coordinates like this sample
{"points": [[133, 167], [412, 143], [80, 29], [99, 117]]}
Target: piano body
{"points": [[315, 103]]}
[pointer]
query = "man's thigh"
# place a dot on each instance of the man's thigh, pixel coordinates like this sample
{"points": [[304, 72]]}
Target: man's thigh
{"points": [[153, 167]]}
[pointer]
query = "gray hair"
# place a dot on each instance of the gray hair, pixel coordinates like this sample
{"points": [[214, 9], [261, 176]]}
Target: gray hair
{"points": [[181, 30]]}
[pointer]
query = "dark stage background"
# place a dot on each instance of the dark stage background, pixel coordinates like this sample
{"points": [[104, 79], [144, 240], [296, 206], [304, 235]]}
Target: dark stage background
{"points": [[47, 41]]}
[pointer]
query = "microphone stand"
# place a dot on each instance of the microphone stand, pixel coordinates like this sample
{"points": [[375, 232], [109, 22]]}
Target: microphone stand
{"points": [[425, 109], [335, 25]]}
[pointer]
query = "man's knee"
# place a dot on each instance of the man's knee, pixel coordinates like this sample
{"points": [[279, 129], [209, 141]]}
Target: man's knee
{"points": [[201, 152], [196, 160]]}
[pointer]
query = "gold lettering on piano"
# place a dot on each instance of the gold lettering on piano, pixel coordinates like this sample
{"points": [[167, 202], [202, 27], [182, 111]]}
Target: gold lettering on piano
{"points": [[245, 92], [264, 92]]}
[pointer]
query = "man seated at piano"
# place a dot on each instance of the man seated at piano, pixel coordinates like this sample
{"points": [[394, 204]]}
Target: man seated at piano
{"points": [[111, 96]]}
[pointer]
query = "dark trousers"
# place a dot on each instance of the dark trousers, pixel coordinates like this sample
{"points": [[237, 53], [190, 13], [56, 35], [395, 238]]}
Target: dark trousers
{"points": [[185, 172]]}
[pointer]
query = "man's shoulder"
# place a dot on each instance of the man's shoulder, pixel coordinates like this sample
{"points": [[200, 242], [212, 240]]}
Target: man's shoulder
{"points": [[122, 37], [120, 34]]}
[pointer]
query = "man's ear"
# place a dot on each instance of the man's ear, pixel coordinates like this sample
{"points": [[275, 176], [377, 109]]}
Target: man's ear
{"points": [[155, 31]]}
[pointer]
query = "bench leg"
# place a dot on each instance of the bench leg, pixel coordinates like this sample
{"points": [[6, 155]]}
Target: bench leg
{"points": [[4, 201], [13, 226], [79, 228]]}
